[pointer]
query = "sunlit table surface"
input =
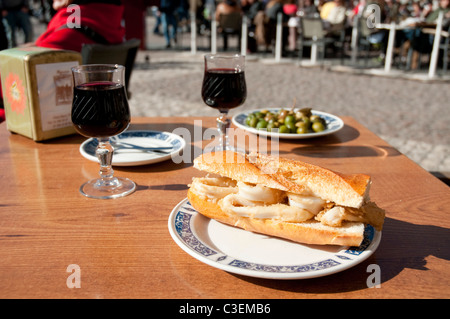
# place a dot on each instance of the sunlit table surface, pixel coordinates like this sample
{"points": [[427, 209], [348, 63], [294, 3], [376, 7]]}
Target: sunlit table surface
{"points": [[123, 248]]}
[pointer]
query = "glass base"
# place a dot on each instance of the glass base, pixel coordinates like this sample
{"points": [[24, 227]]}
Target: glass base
{"points": [[119, 187]]}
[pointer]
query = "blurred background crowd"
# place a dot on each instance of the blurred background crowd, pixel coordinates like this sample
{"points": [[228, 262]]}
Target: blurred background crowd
{"points": [[173, 16]]}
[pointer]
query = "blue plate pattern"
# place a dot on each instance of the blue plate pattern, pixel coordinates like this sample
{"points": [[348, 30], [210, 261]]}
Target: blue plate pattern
{"points": [[136, 157], [186, 235], [333, 122], [162, 136]]}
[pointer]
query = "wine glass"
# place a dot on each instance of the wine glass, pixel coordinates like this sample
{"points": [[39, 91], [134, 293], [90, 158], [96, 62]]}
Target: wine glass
{"points": [[224, 88], [100, 110]]}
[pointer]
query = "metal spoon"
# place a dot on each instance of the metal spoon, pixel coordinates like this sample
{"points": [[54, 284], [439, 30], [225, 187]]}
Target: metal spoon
{"points": [[159, 149]]}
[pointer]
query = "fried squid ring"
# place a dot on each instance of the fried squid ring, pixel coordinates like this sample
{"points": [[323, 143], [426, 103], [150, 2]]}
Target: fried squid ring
{"points": [[213, 188], [260, 193], [311, 203], [236, 204]]}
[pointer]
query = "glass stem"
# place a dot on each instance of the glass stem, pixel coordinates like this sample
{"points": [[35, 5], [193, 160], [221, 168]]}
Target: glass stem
{"points": [[104, 154], [223, 123]]}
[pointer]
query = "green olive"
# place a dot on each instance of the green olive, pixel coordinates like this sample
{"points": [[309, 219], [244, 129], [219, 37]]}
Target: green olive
{"points": [[270, 126], [284, 129], [248, 119], [302, 124], [269, 116], [315, 118], [274, 122], [289, 119], [261, 124], [306, 120], [253, 122], [291, 126], [259, 114], [302, 130], [298, 115], [301, 127], [318, 127]]}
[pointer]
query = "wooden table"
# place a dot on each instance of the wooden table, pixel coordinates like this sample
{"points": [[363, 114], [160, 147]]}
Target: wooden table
{"points": [[124, 250]]}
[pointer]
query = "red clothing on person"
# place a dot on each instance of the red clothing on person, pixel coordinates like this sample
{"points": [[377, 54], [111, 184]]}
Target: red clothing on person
{"points": [[105, 19]]}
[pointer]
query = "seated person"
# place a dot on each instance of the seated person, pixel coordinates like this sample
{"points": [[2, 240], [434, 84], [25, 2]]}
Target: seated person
{"points": [[268, 20], [335, 20], [325, 9], [251, 9], [224, 8], [423, 42], [100, 20], [227, 7]]}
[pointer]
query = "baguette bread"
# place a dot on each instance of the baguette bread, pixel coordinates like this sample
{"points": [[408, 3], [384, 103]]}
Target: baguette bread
{"points": [[284, 198], [309, 232]]}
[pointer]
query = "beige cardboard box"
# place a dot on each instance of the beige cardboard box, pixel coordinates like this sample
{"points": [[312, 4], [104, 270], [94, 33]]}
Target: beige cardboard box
{"points": [[37, 91]]}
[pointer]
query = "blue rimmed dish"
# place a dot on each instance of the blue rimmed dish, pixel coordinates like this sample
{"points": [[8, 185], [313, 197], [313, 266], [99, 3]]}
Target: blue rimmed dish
{"points": [[172, 145], [245, 253]]}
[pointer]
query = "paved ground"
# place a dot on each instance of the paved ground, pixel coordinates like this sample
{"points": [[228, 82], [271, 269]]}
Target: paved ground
{"points": [[413, 116]]}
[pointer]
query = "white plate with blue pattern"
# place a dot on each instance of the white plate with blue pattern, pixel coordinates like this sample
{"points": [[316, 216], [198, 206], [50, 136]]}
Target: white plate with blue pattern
{"points": [[333, 122], [134, 156], [245, 253]]}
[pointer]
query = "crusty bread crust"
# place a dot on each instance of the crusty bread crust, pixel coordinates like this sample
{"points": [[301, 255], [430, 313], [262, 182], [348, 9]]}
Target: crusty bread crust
{"points": [[351, 190], [310, 232], [235, 166], [288, 175]]}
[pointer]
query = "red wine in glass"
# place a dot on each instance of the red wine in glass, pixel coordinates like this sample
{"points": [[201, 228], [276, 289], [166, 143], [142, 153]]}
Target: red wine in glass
{"points": [[100, 109], [224, 89]]}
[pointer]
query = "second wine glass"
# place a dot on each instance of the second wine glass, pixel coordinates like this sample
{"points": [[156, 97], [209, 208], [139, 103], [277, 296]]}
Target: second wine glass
{"points": [[100, 110], [224, 88]]}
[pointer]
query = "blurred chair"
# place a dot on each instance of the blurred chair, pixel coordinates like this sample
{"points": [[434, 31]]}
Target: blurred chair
{"points": [[123, 54], [443, 46], [367, 37], [230, 24], [311, 33], [364, 34]]}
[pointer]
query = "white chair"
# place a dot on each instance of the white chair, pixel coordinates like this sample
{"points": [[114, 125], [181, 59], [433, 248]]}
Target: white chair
{"points": [[313, 34]]}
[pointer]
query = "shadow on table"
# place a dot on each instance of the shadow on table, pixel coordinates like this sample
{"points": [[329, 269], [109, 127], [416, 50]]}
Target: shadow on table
{"points": [[403, 245], [331, 146], [338, 151], [162, 127]]}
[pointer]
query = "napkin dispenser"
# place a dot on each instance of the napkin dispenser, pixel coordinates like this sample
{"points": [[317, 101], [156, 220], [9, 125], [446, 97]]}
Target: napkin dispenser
{"points": [[37, 90]]}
